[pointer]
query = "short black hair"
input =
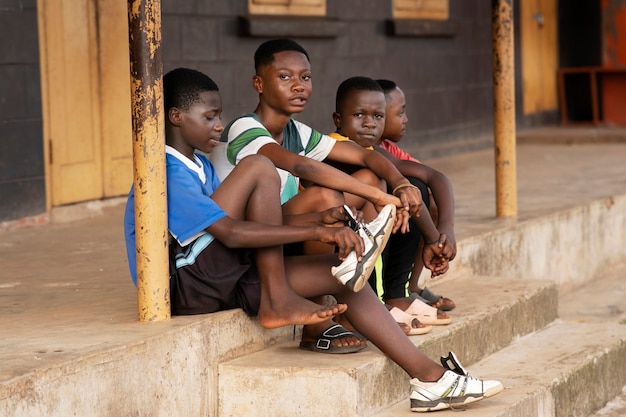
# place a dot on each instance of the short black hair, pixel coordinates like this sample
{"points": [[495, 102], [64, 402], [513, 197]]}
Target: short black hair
{"points": [[354, 84], [387, 85], [182, 88], [264, 54]]}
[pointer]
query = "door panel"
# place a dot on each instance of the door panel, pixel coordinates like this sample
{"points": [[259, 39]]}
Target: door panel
{"points": [[117, 145], [71, 111], [539, 53], [86, 99]]}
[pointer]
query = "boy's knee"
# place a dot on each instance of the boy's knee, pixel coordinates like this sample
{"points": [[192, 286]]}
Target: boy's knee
{"points": [[369, 177], [330, 197], [259, 165]]}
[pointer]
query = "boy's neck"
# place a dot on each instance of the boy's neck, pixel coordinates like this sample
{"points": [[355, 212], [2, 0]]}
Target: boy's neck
{"points": [[274, 122], [186, 151]]}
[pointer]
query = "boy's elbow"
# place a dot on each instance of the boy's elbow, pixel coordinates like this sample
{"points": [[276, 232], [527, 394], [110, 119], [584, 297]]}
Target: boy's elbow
{"points": [[305, 170], [225, 231]]}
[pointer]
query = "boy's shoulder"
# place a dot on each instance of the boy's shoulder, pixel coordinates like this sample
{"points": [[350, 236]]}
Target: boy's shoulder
{"points": [[242, 124]]}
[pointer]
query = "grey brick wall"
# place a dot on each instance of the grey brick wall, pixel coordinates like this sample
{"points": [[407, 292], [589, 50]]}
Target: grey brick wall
{"points": [[447, 80], [22, 187]]}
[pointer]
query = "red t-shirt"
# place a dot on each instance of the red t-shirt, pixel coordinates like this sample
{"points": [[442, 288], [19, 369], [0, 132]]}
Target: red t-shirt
{"points": [[396, 151]]}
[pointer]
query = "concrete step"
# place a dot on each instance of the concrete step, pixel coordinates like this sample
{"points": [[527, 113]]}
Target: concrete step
{"points": [[284, 380], [614, 408], [569, 369], [572, 368], [162, 369]]}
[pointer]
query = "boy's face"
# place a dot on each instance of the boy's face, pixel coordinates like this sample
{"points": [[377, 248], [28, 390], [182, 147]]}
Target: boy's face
{"points": [[201, 125], [362, 117], [395, 123], [285, 84]]}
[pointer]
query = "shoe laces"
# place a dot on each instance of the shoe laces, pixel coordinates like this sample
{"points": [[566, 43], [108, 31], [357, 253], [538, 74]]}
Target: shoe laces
{"points": [[453, 387], [451, 363], [356, 225]]}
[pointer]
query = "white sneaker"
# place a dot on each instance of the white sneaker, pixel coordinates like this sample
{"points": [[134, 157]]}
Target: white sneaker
{"points": [[455, 387], [354, 274]]}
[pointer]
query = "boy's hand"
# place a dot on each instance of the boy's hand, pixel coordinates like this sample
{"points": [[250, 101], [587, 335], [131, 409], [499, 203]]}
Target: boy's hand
{"points": [[345, 239], [336, 216], [402, 216], [402, 221], [450, 244], [411, 199], [447, 246], [385, 199], [434, 257]]}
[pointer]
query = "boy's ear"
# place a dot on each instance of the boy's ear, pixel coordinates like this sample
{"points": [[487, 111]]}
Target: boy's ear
{"points": [[337, 120], [257, 84], [175, 116]]}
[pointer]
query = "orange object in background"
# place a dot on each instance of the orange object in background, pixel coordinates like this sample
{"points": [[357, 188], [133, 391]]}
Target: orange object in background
{"points": [[613, 84]]}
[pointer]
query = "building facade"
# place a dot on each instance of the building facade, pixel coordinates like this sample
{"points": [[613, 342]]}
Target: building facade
{"points": [[65, 133]]}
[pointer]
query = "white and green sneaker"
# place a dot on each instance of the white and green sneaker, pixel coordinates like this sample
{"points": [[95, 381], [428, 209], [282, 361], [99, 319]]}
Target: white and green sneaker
{"points": [[353, 273], [454, 388]]}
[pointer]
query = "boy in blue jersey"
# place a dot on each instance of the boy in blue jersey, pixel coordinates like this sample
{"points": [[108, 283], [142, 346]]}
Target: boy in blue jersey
{"points": [[210, 220]]}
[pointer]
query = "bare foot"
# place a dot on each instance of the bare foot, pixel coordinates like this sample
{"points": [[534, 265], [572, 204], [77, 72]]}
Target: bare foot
{"points": [[310, 333], [293, 309], [415, 324], [404, 303], [443, 303], [343, 320]]}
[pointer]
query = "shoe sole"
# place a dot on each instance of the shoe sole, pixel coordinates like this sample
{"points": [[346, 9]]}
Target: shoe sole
{"points": [[363, 271], [441, 404]]}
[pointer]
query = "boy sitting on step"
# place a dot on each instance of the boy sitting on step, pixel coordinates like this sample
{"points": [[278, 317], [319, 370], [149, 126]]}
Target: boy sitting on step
{"points": [[441, 208], [283, 81], [211, 221], [360, 116]]}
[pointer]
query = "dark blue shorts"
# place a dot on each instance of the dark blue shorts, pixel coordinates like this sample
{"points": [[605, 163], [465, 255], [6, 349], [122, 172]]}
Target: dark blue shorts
{"points": [[220, 278]]}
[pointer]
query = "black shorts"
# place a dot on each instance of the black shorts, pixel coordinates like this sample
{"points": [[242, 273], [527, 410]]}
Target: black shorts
{"points": [[220, 279]]}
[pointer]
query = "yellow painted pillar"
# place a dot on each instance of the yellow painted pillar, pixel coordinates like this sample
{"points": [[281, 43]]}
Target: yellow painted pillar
{"points": [[504, 107], [146, 70]]}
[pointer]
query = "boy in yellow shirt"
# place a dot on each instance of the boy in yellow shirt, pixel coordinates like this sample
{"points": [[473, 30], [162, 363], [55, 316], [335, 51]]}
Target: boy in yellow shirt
{"points": [[360, 116]]}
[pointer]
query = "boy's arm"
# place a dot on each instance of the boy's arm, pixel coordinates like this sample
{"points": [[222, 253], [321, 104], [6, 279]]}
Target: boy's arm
{"points": [[440, 186], [246, 234], [351, 153], [330, 217], [325, 175]]}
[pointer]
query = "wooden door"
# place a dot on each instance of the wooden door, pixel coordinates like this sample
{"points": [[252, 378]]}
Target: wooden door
{"points": [[85, 99], [539, 54], [117, 145]]}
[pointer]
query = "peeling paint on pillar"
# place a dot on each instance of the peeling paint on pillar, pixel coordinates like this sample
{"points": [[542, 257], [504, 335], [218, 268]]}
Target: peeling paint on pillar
{"points": [[146, 71], [504, 107]]}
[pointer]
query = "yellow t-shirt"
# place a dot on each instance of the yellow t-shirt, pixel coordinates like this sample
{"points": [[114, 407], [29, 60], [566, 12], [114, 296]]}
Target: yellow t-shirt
{"points": [[342, 138]]}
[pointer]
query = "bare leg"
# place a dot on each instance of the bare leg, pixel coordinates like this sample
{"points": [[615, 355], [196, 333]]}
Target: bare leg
{"points": [[313, 199], [251, 192], [310, 200], [368, 209], [416, 271], [310, 276], [418, 265]]}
